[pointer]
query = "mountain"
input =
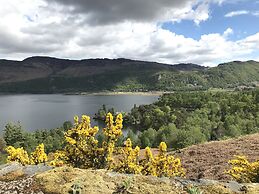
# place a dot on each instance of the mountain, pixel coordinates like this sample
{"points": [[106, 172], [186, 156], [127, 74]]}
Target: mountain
{"points": [[52, 75]]}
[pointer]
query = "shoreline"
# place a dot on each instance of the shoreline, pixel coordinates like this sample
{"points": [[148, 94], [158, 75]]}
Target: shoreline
{"points": [[155, 93]]}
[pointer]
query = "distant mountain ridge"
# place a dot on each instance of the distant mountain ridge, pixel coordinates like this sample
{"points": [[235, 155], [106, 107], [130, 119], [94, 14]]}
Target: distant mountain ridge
{"points": [[53, 75]]}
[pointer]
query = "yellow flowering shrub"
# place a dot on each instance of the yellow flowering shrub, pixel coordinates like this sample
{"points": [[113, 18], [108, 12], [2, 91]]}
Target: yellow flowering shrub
{"points": [[244, 171], [82, 148], [59, 158], [17, 155], [148, 163], [162, 164], [167, 165], [20, 155], [112, 133], [81, 143], [130, 160], [39, 155]]}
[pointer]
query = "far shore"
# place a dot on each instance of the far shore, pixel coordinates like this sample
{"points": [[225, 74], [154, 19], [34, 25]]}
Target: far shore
{"points": [[153, 93]]}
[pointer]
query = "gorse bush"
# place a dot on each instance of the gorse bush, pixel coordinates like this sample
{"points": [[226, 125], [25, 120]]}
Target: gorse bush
{"points": [[160, 165], [39, 155], [244, 171], [17, 154], [129, 163], [83, 150], [20, 155]]}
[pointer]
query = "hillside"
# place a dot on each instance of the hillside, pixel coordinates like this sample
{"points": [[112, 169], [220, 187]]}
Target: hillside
{"points": [[52, 75], [210, 160]]}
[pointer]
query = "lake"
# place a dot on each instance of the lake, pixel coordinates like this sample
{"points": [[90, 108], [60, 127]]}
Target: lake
{"points": [[50, 111]]}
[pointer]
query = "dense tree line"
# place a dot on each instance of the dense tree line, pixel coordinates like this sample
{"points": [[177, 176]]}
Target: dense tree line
{"points": [[185, 118]]}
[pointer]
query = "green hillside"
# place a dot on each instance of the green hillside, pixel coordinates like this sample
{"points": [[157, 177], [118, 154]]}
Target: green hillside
{"points": [[50, 75]]}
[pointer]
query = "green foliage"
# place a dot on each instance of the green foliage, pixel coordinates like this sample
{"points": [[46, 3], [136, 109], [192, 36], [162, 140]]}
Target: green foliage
{"points": [[133, 137], [186, 118], [67, 125], [2, 145], [53, 139], [194, 190], [148, 137], [14, 135]]}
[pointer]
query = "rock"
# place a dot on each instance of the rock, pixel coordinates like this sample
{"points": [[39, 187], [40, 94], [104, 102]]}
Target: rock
{"points": [[8, 168], [34, 169], [234, 186]]}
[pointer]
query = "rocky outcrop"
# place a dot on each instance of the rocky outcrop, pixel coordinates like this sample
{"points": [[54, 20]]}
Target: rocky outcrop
{"points": [[41, 179], [16, 179]]}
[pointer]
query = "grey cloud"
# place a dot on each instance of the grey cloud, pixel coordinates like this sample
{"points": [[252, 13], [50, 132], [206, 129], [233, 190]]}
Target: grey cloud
{"points": [[38, 37], [10, 43], [101, 12]]}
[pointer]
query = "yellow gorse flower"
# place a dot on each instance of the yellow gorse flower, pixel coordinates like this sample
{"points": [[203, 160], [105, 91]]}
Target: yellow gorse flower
{"points": [[244, 171], [39, 155], [161, 165], [21, 156], [82, 149], [17, 155], [162, 147]]}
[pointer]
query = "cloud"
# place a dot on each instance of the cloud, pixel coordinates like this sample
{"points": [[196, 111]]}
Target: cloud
{"points": [[82, 29], [237, 13], [256, 13], [102, 12], [242, 12], [228, 32]]}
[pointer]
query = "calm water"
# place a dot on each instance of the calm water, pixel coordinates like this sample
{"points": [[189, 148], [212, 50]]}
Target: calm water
{"points": [[50, 111]]}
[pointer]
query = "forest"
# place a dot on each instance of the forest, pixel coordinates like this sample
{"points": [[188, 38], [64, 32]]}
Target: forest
{"points": [[182, 119]]}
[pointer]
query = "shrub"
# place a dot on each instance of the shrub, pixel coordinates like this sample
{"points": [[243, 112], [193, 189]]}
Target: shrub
{"points": [[39, 155], [82, 149], [167, 165], [244, 171], [162, 165], [59, 158], [20, 155], [130, 160], [17, 155]]}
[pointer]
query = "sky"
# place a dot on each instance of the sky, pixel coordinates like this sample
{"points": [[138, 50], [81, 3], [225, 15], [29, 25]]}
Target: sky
{"points": [[205, 32]]}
